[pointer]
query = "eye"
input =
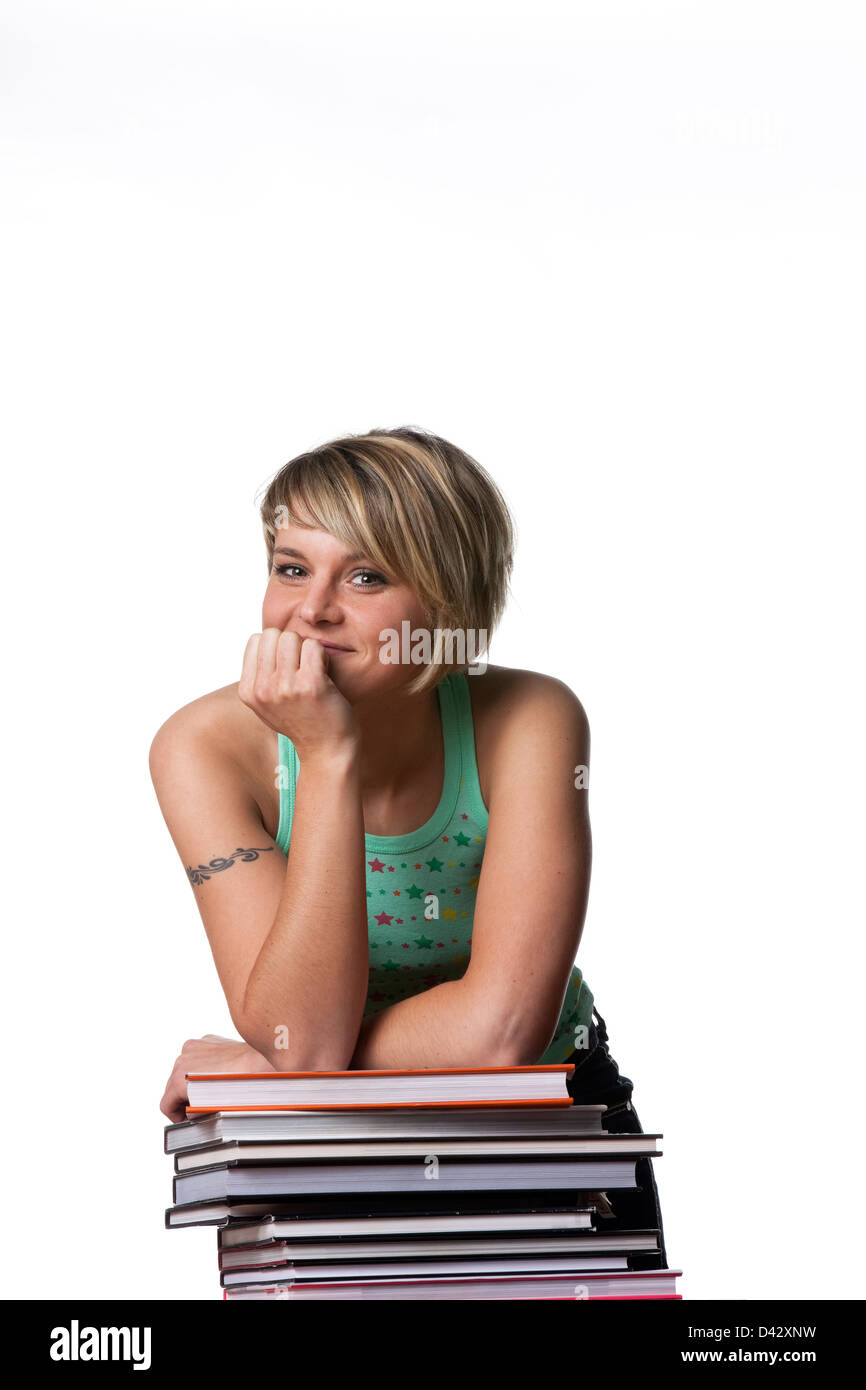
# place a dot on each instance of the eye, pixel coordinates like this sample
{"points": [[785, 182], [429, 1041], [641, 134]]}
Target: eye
{"points": [[376, 579]]}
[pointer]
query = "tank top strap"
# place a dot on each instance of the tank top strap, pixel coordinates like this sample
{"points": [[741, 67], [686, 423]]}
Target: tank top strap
{"points": [[287, 774], [465, 727]]}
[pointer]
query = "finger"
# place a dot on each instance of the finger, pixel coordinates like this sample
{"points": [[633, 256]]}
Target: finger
{"points": [[176, 1094], [168, 1104], [250, 665], [268, 653], [288, 658], [313, 657]]}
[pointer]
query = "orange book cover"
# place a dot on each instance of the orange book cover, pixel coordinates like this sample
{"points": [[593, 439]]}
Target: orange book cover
{"points": [[564, 1067]]}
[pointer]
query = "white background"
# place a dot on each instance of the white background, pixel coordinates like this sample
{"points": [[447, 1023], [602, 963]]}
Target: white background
{"points": [[615, 251]]}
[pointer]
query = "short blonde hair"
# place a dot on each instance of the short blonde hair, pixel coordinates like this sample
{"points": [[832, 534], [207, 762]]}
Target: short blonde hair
{"points": [[419, 507]]}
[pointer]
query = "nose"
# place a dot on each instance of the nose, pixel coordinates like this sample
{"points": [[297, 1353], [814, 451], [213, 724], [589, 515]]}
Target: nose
{"points": [[319, 604]]}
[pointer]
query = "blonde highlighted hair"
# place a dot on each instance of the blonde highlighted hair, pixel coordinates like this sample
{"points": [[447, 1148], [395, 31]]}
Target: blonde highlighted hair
{"points": [[419, 507]]}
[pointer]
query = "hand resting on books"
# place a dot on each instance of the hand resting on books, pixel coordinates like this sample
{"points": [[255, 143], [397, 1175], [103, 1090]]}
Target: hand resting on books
{"points": [[211, 1053]]}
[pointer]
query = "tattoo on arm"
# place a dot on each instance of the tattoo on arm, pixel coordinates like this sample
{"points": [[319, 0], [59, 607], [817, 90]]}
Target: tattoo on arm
{"points": [[205, 871]]}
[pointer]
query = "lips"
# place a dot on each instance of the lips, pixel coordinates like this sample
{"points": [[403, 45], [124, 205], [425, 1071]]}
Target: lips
{"points": [[328, 646]]}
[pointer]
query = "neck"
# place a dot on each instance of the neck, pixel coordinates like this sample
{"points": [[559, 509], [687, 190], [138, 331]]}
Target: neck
{"points": [[399, 734]]}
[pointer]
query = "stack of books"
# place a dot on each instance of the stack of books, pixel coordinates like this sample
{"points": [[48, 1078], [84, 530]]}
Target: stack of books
{"points": [[450, 1183]]}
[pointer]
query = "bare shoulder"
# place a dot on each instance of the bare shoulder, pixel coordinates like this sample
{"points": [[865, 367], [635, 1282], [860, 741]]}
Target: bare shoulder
{"points": [[505, 697], [218, 721], [525, 715], [218, 730], [510, 684]]}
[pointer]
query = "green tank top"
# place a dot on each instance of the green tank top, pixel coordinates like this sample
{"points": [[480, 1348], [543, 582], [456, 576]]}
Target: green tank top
{"points": [[421, 886]]}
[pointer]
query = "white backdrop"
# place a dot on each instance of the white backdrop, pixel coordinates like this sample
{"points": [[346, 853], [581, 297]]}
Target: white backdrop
{"points": [[615, 251]]}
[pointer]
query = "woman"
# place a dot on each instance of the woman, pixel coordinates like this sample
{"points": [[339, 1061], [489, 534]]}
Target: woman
{"points": [[375, 944]]}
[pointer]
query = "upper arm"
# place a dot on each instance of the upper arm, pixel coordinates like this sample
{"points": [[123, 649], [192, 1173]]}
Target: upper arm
{"points": [[534, 883], [212, 816]]}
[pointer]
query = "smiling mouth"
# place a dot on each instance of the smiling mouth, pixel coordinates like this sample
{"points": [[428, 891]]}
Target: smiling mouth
{"points": [[327, 646]]}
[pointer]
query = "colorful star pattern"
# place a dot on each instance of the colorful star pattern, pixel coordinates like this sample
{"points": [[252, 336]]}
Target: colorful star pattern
{"points": [[446, 888]]}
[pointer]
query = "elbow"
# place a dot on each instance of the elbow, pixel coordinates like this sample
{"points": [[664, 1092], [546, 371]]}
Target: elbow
{"points": [[248, 1026], [285, 1049], [314, 1055], [269, 1044], [520, 1055], [514, 1039]]}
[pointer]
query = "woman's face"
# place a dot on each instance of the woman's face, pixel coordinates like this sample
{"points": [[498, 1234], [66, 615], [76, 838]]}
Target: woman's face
{"points": [[319, 589]]}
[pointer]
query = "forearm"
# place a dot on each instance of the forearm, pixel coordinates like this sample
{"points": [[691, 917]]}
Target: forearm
{"points": [[306, 992], [444, 1026]]}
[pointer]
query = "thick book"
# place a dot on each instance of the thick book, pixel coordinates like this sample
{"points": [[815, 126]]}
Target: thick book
{"points": [[335, 1090], [593, 1146], [429, 1268], [412, 1175], [324, 1214], [271, 1254], [642, 1283], [407, 1216], [409, 1123]]}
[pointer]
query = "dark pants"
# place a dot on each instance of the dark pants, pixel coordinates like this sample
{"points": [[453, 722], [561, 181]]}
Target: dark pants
{"points": [[597, 1080]]}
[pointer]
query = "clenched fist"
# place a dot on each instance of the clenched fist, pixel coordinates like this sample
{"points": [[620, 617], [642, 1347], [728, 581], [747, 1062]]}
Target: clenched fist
{"points": [[285, 681], [211, 1053]]}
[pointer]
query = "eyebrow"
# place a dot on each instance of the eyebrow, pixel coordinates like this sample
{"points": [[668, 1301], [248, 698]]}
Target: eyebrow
{"points": [[299, 554]]}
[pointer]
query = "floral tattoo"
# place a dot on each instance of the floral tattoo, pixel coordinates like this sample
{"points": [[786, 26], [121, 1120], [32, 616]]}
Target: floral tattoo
{"points": [[216, 866]]}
